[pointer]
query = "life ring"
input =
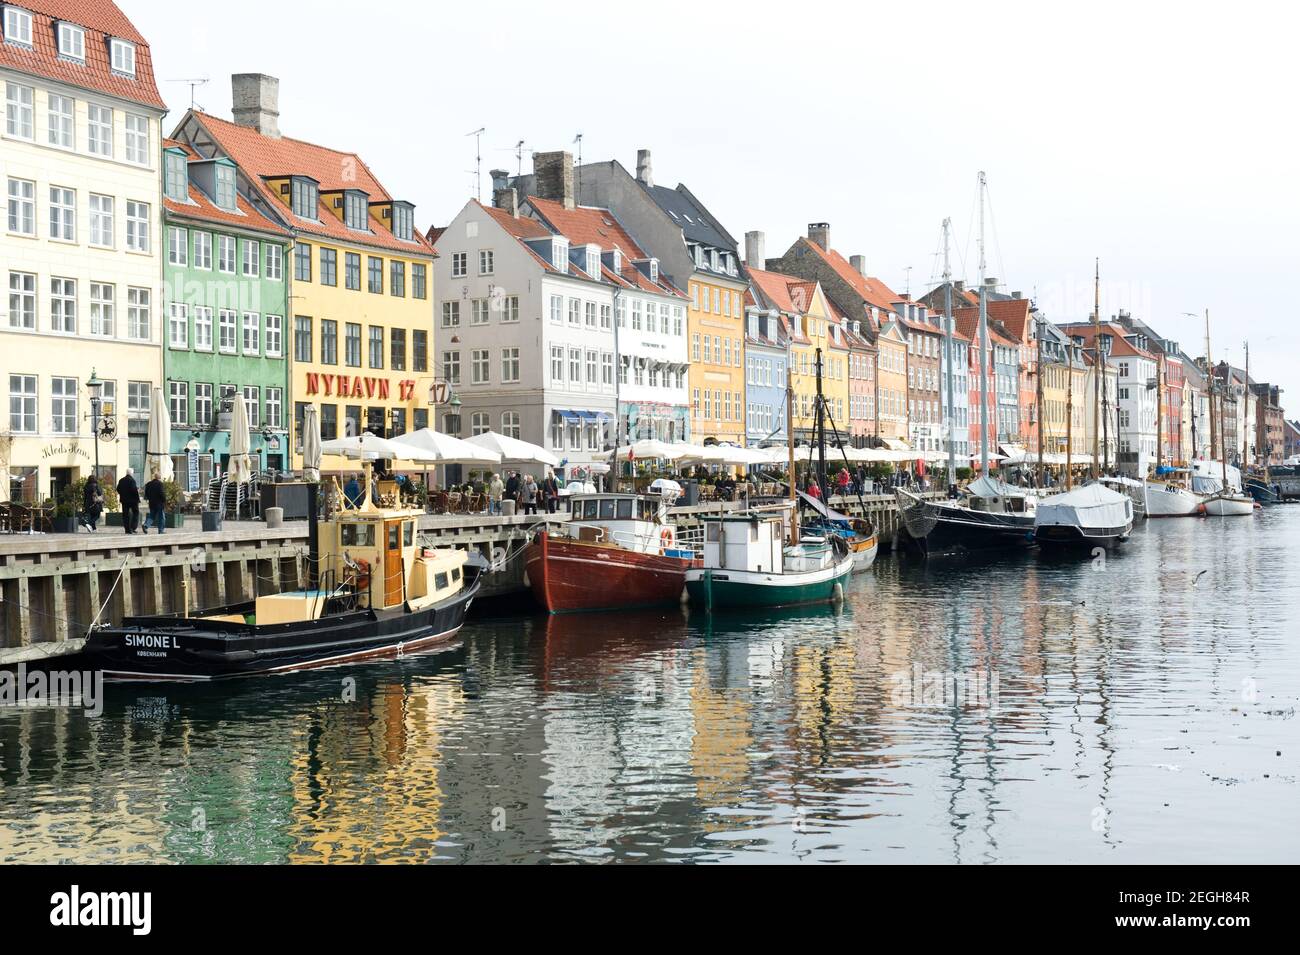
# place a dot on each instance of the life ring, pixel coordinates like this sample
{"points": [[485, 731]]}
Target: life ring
{"points": [[666, 538], [362, 574]]}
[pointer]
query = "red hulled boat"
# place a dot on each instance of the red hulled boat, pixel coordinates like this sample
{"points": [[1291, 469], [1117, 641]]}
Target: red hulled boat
{"points": [[617, 551]]}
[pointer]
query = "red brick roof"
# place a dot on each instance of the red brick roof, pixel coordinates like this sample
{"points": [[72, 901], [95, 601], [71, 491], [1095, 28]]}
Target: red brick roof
{"points": [[265, 157], [967, 323], [1013, 313], [874, 291], [101, 20], [1119, 344], [776, 289], [591, 225], [201, 207]]}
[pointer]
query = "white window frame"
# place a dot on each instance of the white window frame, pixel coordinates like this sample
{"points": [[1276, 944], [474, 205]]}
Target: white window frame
{"points": [[63, 405], [227, 322], [274, 262], [24, 405], [139, 313], [273, 336], [137, 226], [99, 130], [72, 42], [122, 56], [21, 218], [226, 243], [178, 325], [251, 333], [103, 309], [61, 124], [63, 214], [203, 322], [137, 139], [20, 111], [22, 299], [251, 259], [63, 305], [102, 221], [178, 245], [18, 26]]}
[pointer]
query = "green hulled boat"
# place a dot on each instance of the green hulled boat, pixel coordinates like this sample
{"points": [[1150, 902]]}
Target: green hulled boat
{"points": [[747, 564]]}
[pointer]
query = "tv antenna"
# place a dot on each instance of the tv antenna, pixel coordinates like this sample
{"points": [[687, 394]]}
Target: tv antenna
{"points": [[194, 82], [478, 160], [907, 281], [578, 188]]}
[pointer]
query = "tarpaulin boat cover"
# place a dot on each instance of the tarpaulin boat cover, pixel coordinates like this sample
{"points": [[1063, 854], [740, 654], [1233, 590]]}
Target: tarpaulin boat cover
{"points": [[992, 487], [1091, 507], [826, 512]]}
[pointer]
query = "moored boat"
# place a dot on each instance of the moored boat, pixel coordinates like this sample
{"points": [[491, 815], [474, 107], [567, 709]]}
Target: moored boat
{"points": [[1134, 490], [616, 551], [374, 591], [1092, 515], [992, 516], [1229, 503], [747, 563], [1169, 499], [857, 533]]}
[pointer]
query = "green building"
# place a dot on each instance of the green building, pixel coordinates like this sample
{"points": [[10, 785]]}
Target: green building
{"points": [[225, 298]]}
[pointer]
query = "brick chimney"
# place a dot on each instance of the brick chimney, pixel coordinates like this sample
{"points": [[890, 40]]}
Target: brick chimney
{"points": [[644, 175], [256, 102], [820, 233], [859, 263], [553, 174], [503, 195], [755, 246]]}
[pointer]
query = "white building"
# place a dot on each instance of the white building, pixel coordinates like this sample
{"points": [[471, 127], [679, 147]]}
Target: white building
{"points": [[956, 427], [80, 163], [1136, 365], [650, 320]]}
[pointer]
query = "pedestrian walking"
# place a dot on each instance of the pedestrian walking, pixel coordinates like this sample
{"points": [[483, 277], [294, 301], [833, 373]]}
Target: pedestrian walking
{"points": [[155, 496], [128, 498]]}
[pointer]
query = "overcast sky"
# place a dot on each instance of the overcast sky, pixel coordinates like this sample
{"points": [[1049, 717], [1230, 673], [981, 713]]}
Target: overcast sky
{"points": [[1160, 140]]}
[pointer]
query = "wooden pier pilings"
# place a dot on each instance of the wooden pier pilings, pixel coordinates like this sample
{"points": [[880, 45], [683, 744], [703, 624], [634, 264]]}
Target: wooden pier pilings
{"points": [[52, 587]]}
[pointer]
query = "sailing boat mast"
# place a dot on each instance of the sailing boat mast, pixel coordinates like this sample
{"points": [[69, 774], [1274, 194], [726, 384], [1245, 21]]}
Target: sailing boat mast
{"points": [[1209, 364], [1096, 344], [1245, 418], [947, 350], [1038, 399], [1160, 411], [819, 431], [789, 440], [984, 347], [1069, 413]]}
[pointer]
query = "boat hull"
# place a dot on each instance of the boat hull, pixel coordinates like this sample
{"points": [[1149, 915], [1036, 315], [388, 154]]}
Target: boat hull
{"points": [[943, 528], [1071, 535], [1220, 505], [1172, 501], [193, 648], [721, 589], [568, 576]]}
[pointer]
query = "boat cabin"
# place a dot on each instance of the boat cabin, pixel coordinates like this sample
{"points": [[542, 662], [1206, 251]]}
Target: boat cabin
{"points": [[997, 497], [633, 521], [753, 540]]}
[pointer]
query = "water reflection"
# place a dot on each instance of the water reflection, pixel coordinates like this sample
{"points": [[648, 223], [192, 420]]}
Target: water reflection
{"points": [[1141, 699]]}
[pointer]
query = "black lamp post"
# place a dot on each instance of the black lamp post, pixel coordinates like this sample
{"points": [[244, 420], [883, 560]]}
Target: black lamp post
{"points": [[95, 388], [453, 416]]}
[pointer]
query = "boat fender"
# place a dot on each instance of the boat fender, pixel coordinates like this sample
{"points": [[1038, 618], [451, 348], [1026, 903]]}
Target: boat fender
{"points": [[666, 537], [837, 592]]}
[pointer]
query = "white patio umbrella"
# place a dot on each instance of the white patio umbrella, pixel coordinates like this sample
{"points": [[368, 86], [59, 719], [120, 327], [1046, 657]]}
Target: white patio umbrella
{"points": [[513, 449], [311, 443], [653, 448], [157, 457], [367, 446], [240, 467], [449, 450]]}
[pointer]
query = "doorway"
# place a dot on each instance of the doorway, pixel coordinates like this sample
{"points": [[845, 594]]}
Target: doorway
{"points": [[393, 588]]}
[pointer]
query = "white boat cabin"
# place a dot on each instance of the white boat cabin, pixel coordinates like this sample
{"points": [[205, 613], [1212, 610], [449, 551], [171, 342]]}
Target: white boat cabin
{"points": [[754, 541], [631, 521]]}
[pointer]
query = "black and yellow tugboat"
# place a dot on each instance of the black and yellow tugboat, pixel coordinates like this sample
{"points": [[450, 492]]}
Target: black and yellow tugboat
{"points": [[373, 591]]}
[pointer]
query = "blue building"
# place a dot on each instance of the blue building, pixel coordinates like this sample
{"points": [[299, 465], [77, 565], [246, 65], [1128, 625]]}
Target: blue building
{"points": [[767, 345]]}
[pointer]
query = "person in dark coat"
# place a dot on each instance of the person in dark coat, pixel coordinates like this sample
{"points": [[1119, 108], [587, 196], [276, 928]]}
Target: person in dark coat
{"points": [[551, 492], [513, 488], [92, 503], [128, 496], [352, 492], [156, 496]]}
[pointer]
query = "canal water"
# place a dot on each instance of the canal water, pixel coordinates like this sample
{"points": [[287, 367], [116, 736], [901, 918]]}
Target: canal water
{"points": [[1136, 708]]}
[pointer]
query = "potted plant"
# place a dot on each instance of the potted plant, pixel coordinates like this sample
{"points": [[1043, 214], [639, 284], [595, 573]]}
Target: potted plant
{"points": [[65, 514], [964, 474], [175, 500]]}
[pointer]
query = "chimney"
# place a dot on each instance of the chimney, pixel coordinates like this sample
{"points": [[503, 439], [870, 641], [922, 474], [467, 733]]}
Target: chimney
{"points": [[990, 283], [643, 172], [959, 285], [754, 249], [503, 196], [553, 173], [256, 102], [820, 233], [859, 263], [1015, 295]]}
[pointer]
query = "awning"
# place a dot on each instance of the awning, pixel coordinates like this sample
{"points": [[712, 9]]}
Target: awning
{"points": [[569, 416], [895, 445]]}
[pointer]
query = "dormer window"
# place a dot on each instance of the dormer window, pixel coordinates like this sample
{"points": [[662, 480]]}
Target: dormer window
{"points": [[617, 259], [654, 270], [72, 42], [122, 56], [225, 191], [18, 26], [593, 262], [713, 259], [699, 256], [560, 254], [176, 177], [403, 221], [356, 210], [305, 197]]}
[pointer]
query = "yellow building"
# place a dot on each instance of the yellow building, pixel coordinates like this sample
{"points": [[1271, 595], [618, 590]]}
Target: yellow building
{"points": [[891, 381], [715, 322], [361, 276]]}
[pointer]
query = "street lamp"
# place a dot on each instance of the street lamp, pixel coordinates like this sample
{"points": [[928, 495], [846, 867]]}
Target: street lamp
{"points": [[453, 416], [95, 388]]}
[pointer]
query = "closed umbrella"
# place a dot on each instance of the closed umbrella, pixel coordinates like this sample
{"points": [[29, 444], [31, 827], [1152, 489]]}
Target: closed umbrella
{"points": [[157, 452], [311, 443], [513, 449], [240, 468]]}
